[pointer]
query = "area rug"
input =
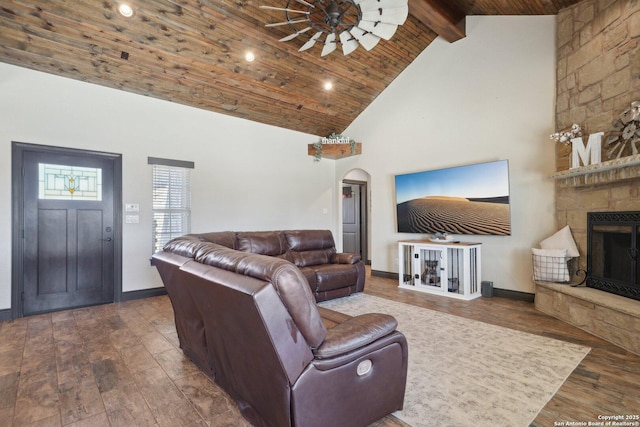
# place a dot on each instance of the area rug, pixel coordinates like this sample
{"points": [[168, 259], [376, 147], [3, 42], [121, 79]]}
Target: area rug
{"points": [[468, 373]]}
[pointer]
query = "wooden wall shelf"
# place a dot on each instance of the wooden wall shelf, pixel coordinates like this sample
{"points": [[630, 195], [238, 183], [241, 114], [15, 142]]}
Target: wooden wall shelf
{"points": [[335, 151]]}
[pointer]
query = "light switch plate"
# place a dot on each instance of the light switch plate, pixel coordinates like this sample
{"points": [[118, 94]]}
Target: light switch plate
{"points": [[132, 219], [132, 207]]}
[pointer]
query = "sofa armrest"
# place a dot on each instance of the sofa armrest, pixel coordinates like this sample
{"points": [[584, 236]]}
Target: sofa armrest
{"points": [[345, 258], [355, 333]]}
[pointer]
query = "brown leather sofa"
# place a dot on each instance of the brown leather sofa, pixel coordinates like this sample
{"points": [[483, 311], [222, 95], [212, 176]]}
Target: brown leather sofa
{"points": [[330, 274], [251, 322]]}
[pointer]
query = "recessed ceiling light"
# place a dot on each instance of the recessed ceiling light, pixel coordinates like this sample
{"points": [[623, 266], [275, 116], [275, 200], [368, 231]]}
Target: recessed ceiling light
{"points": [[249, 57], [328, 86], [125, 10]]}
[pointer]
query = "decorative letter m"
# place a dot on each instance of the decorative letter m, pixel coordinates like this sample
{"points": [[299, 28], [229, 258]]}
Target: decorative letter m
{"points": [[589, 155]]}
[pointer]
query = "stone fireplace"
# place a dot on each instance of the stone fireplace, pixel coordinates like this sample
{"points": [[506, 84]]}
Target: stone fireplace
{"points": [[598, 77], [607, 186]]}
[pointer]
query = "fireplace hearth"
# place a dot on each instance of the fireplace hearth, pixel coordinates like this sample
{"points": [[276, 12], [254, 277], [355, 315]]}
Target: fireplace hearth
{"points": [[613, 241]]}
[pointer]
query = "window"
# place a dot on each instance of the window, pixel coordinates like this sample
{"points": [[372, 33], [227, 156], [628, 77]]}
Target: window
{"points": [[60, 182], [171, 200]]}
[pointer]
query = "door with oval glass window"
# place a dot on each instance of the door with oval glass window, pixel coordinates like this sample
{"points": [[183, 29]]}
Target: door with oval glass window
{"points": [[68, 235]]}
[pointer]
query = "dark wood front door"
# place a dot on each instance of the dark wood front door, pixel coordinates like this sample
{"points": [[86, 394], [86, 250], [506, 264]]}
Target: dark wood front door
{"points": [[69, 232]]}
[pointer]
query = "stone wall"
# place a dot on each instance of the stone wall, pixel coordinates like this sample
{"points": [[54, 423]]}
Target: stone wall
{"points": [[611, 317], [598, 76]]}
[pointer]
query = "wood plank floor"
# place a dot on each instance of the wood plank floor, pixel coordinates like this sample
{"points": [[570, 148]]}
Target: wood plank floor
{"points": [[120, 365]]}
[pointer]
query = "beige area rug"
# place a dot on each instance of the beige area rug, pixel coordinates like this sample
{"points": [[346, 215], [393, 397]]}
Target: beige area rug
{"points": [[468, 373]]}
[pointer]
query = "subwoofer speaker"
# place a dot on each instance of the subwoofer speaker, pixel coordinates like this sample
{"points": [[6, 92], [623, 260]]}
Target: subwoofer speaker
{"points": [[486, 289]]}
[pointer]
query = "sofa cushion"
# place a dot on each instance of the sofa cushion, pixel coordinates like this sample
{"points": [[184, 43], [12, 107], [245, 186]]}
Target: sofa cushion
{"points": [[185, 246], [286, 278], [311, 257], [310, 274], [220, 256], [332, 318], [224, 238], [270, 243], [334, 276], [345, 258], [356, 333], [307, 240], [294, 292]]}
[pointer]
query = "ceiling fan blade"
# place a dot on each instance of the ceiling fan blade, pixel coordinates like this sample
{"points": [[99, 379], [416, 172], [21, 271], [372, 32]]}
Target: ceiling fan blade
{"points": [[283, 9], [277, 24], [329, 44], [365, 38], [305, 3], [294, 35], [388, 16], [368, 5], [349, 43], [382, 30], [310, 42]]}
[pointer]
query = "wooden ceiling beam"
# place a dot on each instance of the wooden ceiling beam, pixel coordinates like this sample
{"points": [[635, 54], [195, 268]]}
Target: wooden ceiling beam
{"points": [[440, 17]]}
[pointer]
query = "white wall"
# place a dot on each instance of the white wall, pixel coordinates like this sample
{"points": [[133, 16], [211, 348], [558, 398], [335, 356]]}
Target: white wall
{"points": [[247, 176], [487, 97]]}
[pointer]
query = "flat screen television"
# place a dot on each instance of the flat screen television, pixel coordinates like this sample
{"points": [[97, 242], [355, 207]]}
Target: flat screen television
{"points": [[470, 199]]}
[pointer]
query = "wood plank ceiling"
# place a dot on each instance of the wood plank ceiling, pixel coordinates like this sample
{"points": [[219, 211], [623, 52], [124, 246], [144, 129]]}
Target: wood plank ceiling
{"points": [[192, 52]]}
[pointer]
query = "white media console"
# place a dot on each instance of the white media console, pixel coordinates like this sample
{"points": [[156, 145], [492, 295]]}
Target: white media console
{"points": [[450, 269]]}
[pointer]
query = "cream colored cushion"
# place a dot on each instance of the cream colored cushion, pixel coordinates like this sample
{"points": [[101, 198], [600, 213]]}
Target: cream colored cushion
{"points": [[561, 240]]}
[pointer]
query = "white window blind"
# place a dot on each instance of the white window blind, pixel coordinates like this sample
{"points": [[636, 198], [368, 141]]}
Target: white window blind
{"points": [[171, 200]]}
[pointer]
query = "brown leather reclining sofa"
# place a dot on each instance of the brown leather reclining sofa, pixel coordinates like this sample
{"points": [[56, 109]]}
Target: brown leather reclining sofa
{"points": [[330, 274], [251, 322]]}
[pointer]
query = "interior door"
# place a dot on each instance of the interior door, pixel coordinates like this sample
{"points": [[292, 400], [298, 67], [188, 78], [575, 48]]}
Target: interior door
{"points": [[68, 235], [351, 228]]}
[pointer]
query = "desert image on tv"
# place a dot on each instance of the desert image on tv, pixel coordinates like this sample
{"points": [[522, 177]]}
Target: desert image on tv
{"points": [[471, 199], [454, 215]]}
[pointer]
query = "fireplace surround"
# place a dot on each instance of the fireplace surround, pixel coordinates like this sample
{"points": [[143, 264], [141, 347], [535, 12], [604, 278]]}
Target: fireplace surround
{"points": [[593, 90], [613, 242]]}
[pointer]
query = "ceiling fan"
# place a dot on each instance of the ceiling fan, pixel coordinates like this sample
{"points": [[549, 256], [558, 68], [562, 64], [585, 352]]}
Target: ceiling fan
{"points": [[348, 22]]}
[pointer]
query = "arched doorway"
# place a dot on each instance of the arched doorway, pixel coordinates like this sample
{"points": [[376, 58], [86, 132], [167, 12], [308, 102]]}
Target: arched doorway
{"points": [[355, 213]]}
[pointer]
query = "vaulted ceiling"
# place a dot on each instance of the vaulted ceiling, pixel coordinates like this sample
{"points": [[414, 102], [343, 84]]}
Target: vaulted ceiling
{"points": [[192, 52]]}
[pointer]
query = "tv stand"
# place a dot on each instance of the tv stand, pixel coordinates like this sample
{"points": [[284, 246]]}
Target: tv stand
{"points": [[449, 269]]}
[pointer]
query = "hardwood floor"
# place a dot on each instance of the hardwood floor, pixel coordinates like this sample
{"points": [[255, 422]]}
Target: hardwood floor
{"points": [[120, 365]]}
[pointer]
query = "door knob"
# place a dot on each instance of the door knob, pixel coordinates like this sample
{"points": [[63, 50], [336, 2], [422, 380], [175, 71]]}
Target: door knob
{"points": [[108, 239]]}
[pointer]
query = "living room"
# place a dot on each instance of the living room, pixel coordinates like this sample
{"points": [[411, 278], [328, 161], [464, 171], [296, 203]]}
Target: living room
{"points": [[268, 181], [489, 96]]}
